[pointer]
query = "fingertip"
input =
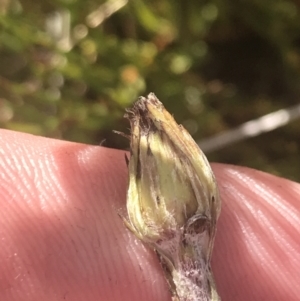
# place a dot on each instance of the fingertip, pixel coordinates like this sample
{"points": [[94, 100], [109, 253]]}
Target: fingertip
{"points": [[256, 255]]}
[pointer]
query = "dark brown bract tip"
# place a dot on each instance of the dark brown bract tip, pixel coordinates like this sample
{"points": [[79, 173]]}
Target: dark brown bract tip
{"points": [[139, 113]]}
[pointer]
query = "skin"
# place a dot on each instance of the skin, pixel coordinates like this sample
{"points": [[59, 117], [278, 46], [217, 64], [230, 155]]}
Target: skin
{"points": [[61, 237]]}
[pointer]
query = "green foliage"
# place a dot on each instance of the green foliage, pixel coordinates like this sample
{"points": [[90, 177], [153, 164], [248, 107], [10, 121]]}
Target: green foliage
{"points": [[68, 69]]}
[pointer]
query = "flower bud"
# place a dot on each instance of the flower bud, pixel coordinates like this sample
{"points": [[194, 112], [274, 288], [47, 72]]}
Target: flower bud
{"points": [[172, 200]]}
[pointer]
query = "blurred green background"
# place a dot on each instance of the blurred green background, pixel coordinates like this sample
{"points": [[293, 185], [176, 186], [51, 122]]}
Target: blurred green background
{"points": [[69, 68]]}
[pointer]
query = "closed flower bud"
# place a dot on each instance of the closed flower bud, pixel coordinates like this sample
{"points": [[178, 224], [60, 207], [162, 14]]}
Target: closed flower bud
{"points": [[172, 200]]}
